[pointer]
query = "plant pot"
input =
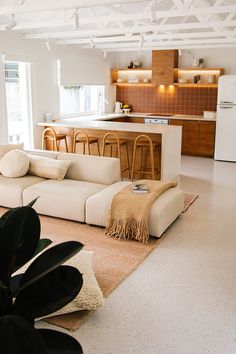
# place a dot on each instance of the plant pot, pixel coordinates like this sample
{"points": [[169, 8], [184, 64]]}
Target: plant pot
{"points": [[126, 110]]}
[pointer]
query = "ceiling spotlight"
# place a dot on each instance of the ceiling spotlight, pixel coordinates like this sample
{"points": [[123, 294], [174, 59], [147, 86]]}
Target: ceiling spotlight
{"points": [[92, 45], [76, 18], [153, 17], [48, 45], [12, 24], [141, 42]]}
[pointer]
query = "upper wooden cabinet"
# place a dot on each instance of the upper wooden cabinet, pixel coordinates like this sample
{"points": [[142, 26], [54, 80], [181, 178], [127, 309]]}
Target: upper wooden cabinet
{"points": [[163, 64]]}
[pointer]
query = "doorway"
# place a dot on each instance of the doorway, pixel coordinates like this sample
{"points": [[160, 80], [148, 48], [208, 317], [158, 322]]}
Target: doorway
{"points": [[19, 103]]}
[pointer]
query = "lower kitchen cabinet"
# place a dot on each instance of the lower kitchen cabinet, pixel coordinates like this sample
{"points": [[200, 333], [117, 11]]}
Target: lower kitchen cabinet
{"points": [[198, 137]]}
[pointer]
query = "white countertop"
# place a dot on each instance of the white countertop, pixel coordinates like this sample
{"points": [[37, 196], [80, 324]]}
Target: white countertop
{"points": [[98, 122]]}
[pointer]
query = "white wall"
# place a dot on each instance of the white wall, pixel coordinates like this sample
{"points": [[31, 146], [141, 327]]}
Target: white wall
{"points": [[215, 57], [45, 63]]}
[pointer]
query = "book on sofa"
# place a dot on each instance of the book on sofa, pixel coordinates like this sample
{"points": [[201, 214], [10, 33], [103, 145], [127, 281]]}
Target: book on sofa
{"points": [[140, 188]]}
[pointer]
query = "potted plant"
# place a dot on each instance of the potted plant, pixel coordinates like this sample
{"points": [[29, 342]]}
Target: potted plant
{"points": [[126, 108], [45, 286]]}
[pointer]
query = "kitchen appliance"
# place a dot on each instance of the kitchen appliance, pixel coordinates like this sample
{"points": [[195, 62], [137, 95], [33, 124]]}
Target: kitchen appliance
{"points": [[157, 119], [225, 144], [118, 107]]}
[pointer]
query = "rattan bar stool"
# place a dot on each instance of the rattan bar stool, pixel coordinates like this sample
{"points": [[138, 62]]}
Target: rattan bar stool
{"points": [[113, 140], [50, 135], [141, 142], [82, 137]]}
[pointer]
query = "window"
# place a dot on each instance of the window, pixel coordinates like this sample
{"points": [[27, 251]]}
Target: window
{"points": [[76, 100], [19, 117]]}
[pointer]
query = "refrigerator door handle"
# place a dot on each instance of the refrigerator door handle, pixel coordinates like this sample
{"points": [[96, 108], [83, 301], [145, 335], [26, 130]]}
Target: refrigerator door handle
{"points": [[224, 107], [226, 102]]}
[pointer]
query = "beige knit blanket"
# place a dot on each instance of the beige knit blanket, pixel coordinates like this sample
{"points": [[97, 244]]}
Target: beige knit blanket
{"points": [[129, 211]]}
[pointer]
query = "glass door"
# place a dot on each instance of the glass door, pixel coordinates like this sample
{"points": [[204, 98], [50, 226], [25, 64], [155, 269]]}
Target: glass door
{"points": [[18, 99]]}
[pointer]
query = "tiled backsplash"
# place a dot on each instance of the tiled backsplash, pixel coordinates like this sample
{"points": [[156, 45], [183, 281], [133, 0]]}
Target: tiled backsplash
{"points": [[168, 100]]}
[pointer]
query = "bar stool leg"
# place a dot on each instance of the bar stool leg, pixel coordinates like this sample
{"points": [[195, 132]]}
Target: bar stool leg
{"points": [[66, 145], [88, 145], [127, 158], [141, 161], [133, 162], [98, 149], [152, 161]]}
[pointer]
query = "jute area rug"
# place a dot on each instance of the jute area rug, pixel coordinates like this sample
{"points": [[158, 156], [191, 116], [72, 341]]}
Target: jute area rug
{"points": [[113, 260], [189, 198]]}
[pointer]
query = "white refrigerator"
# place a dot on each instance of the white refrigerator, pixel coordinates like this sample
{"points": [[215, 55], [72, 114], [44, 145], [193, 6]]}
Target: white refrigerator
{"points": [[225, 144]]}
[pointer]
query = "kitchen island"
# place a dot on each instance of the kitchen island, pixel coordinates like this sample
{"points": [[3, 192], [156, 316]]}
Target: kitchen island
{"points": [[168, 136]]}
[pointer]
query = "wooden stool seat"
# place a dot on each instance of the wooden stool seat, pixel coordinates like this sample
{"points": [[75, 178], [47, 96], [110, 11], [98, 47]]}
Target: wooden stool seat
{"points": [[82, 137], [55, 138], [144, 141], [113, 140]]}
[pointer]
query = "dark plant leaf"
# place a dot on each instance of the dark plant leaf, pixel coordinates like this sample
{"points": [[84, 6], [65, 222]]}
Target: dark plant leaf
{"points": [[15, 283], [32, 202], [60, 343], [17, 336], [49, 293], [42, 244], [19, 233], [49, 260], [5, 299]]}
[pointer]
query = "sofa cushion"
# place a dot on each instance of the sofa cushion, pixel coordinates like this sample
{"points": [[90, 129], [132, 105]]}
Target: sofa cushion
{"points": [[8, 147], [14, 163], [90, 296], [95, 169], [45, 153], [63, 199], [48, 168], [163, 212], [11, 189]]}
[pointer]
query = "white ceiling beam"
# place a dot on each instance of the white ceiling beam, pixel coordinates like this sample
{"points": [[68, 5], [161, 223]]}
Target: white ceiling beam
{"points": [[175, 43], [145, 15], [193, 46], [148, 37], [117, 31], [60, 6]]}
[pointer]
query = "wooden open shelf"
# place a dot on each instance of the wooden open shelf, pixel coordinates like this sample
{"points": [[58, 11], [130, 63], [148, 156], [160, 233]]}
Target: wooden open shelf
{"points": [[190, 84]]}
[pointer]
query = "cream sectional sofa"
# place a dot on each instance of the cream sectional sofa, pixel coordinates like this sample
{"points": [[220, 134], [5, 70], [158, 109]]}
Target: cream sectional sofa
{"points": [[86, 192]]}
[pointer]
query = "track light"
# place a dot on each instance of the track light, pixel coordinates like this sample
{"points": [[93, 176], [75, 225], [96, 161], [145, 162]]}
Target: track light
{"points": [[104, 53], [76, 18], [92, 45], [12, 24], [153, 17], [180, 52], [48, 45]]}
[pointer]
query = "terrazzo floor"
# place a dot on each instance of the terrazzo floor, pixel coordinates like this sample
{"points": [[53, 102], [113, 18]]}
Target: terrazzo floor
{"points": [[182, 298]]}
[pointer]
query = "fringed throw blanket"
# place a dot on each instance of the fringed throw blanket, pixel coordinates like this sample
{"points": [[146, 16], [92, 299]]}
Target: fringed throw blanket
{"points": [[129, 211]]}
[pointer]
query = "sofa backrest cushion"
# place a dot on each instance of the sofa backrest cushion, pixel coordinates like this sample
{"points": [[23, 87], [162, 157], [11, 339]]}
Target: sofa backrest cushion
{"points": [[14, 164], [8, 147], [96, 169], [42, 166], [45, 153]]}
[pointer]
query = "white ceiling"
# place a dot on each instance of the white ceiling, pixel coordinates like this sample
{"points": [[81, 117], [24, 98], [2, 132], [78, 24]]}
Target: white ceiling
{"points": [[118, 25]]}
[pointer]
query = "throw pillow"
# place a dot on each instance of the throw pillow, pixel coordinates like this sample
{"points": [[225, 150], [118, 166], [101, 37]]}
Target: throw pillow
{"points": [[14, 163], [48, 168], [8, 147], [90, 296]]}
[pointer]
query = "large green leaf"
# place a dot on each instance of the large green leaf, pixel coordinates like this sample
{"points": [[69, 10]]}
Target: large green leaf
{"points": [[49, 293], [17, 336], [60, 343], [19, 237], [5, 299], [49, 260], [14, 283]]}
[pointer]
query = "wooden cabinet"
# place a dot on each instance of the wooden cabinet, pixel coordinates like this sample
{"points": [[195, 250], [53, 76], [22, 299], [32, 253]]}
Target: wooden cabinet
{"points": [[135, 119], [198, 137], [207, 138], [163, 64]]}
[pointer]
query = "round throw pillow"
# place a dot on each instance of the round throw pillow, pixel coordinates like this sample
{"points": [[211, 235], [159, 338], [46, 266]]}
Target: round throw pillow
{"points": [[14, 163]]}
